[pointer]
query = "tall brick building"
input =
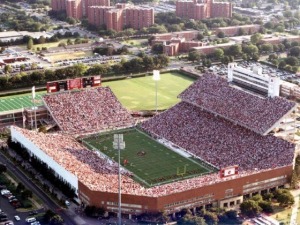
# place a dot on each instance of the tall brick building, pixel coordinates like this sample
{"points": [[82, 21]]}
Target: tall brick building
{"points": [[120, 16], [202, 9], [99, 12]]}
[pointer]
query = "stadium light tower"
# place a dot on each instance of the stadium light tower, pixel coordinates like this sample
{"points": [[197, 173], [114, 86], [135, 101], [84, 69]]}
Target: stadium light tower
{"points": [[119, 144], [156, 77], [34, 107]]}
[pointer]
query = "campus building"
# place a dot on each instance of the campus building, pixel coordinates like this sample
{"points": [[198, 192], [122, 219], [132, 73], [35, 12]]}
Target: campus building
{"points": [[267, 84], [202, 9], [235, 30], [177, 42], [77, 8], [120, 16], [101, 13]]}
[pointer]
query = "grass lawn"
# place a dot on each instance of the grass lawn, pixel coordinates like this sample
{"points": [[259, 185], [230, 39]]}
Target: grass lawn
{"points": [[133, 93], [282, 214], [52, 44], [139, 93], [65, 55], [136, 42], [151, 162], [18, 101]]}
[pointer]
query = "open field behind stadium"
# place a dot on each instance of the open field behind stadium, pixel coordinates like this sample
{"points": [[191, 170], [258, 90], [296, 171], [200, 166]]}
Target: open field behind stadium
{"points": [[133, 93], [151, 162], [65, 55], [139, 93]]}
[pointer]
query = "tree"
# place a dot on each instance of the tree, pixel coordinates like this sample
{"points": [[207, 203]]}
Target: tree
{"points": [[148, 62], [2, 168], [20, 187], [62, 44], [34, 66], [48, 215], [250, 208], [295, 51], [211, 218], [200, 36], [281, 64], [194, 56], [71, 20], [42, 40], [284, 197], [266, 206], [235, 50], [30, 44], [231, 214], [268, 196], [26, 194], [250, 50], [157, 48], [256, 38], [241, 32], [218, 53], [7, 69], [189, 219], [257, 198], [225, 60], [221, 34], [56, 220], [291, 60], [266, 48], [69, 42], [2, 49]]}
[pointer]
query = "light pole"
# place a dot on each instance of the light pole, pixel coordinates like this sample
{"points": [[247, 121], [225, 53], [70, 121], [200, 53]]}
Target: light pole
{"points": [[119, 144], [34, 107], [156, 77]]}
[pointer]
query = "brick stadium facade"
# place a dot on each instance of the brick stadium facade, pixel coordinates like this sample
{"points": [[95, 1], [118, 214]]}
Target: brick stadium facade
{"points": [[224, 194], [100, 12], [198, 10]]}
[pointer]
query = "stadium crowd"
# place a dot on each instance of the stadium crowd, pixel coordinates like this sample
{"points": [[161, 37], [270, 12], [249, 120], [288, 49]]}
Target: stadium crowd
{"points": [[88, 110], [219, 141], [214, 94], [99, 174]]}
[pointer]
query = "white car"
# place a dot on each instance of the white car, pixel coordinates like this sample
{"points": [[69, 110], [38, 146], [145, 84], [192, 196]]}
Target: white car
{"points": [[17, 218], [67, 203]]}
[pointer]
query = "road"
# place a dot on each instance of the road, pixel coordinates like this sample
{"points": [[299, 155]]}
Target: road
{"points": [[48, 202]]}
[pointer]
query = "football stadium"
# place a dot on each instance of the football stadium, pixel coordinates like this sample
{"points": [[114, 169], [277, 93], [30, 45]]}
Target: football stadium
{"points": [[213, 148]]}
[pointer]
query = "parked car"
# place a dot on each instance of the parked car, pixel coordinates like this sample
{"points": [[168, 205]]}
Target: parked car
{"points": [[17, 218]]}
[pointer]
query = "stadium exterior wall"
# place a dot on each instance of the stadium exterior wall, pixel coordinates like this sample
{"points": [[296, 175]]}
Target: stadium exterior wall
{"points": [[218, 193], [34, 150]]}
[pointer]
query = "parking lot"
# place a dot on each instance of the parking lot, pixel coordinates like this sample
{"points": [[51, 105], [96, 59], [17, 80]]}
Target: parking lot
{"points": [[284, 75], [11, 215]]}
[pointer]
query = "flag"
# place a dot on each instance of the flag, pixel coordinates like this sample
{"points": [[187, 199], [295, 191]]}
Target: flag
{"points": [[33, 92], [156, 75], [23, 117]]}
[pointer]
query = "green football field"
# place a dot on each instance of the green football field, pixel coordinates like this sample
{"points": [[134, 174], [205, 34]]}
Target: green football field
{"points": [[18, 101], [133, 93], [151, 162]]}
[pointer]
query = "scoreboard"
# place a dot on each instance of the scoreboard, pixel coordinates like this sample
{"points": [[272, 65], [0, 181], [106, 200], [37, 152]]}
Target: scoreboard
{"points": [[229, 171], [76, 83]]}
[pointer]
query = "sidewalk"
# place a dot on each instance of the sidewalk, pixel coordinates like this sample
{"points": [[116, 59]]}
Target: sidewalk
{"points": [[295, 210]]}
